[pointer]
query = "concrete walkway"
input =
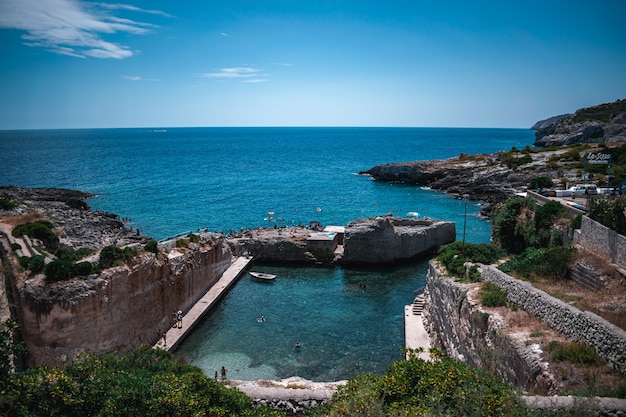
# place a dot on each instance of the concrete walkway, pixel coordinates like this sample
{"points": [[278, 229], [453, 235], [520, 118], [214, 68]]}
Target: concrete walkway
{"points": [[415, 335], [174, 335]]}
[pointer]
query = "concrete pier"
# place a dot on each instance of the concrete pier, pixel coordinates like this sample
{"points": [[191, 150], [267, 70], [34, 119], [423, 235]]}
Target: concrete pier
{"points": [[415, 335], [175, 335]]}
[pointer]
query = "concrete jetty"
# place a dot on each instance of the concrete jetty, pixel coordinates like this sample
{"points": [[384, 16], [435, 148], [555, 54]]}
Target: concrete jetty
{"points": [[174, 336], [415, 334]]}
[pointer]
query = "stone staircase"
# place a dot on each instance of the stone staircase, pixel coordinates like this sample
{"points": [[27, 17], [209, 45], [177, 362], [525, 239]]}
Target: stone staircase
{"points": [[418, 304], [586, 277]]}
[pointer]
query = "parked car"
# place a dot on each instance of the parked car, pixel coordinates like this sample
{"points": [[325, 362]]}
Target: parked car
{"points": [[584, 189]]}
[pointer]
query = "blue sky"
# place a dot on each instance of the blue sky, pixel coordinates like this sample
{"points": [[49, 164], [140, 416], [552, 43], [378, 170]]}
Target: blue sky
{"points": [[75, 64]]}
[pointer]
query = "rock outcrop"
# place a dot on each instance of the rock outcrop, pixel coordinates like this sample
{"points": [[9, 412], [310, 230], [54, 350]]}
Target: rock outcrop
{"points": [[378, 240], [390, 239], [481, 177], [603, 123]]}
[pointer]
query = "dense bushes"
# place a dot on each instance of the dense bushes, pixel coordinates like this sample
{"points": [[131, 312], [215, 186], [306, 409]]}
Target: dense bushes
{"points": [[112, 255], [454, 256], [151, 246], [6, 204], [145, 382], [550, 263], [414, 387], [520, 223], [609, 212], [40, 229], [540, 182]]}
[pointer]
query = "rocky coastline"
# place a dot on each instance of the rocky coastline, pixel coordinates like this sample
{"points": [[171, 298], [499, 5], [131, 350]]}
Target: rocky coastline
{"points": [[480, 177]]}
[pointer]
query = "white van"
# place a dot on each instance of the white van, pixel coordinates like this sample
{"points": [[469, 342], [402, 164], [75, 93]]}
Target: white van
{"points": [[584, 189]]}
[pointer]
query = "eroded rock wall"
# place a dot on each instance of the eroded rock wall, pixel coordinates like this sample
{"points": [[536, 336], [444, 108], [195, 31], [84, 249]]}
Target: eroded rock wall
{"points": [[390, 239], [119, 309]]}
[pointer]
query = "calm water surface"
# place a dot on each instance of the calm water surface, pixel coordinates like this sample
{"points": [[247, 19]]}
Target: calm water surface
{"points": [[173, 180]]}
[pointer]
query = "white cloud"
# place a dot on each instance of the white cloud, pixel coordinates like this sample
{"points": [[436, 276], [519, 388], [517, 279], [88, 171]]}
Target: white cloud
{"points": [[69, 27], [250, 75], [132, 77]]}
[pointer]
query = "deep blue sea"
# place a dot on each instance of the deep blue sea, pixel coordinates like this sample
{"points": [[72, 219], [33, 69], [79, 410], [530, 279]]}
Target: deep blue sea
{"points": [[172, 180]]}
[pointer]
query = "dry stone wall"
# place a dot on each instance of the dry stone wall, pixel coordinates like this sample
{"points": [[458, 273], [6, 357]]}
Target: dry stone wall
{"points": [[460, 328], [608, 339]]}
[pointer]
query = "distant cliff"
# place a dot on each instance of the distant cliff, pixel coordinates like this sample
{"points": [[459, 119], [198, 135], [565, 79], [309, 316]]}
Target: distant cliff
{"points": [[597, 124]]}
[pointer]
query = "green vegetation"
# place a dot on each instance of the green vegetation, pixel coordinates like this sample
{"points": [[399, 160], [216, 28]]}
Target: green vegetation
{"points": [[515, 158], [9, 349], [550, 263], [609, 212], [112, 255], [40, 229], [71, 255], [540, 182], [151, 246], [603, 112], [145, 382], [194, 238], [414, 387], [35, 264], [520, 223], [6, 204], [575, 352], [182, 243], [454, 256], [492, 296]]}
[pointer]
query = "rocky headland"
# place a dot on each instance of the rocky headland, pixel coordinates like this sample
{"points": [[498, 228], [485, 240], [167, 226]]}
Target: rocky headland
{"points": [[604, 123]]}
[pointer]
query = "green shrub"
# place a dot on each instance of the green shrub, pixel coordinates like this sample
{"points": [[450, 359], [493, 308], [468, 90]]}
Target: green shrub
{"points": [[40, 229], [454, 256], [543, 262], [71, 255], [59, 270], [145, 382], [36, 263], [6, 204], [574, 352], [15, 246], [609, 212], [109, 256], [151, 246], [182, 243], [82, 268], [577, 222], [194, 238], [492, 296], [540, 182]]}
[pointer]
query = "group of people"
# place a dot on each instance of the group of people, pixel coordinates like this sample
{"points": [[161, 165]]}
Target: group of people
{"points": [[223, 373], [362, 285], [177, 319]]}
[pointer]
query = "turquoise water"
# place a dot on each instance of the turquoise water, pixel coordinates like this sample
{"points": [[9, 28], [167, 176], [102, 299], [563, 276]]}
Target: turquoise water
{"points": [[168, 181]]}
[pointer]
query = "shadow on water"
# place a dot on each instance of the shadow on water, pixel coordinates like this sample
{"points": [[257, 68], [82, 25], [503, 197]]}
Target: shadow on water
{"points": [[346, 320]]}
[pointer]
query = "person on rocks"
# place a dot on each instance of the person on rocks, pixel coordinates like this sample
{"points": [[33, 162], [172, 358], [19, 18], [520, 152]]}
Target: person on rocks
{"points": [[223, 373]]}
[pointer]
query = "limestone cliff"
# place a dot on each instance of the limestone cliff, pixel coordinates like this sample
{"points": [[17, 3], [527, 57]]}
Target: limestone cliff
{"points": [[597, 124], [391, 239], [118, 309]]}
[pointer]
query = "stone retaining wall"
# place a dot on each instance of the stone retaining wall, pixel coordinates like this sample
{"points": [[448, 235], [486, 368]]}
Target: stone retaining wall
{"points": [[608, 339], [462, 329], [603, 241]]}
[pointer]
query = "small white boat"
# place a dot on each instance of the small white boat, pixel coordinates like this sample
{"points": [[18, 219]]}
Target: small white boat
{"points": [[262, 276]]}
